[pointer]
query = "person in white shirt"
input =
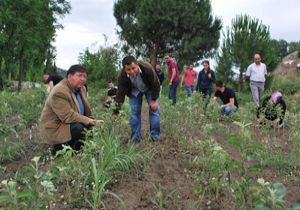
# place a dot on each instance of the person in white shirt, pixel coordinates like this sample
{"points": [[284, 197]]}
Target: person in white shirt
{"points": [[257, 72]]}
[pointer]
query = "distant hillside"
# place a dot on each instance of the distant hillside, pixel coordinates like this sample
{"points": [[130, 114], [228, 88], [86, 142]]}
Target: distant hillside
{"points": [[287, 68]]}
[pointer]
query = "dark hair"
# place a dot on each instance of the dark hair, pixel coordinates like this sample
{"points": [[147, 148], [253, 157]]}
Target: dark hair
{"points": [[76, 68], [128, 60], [219, 83], [205, 61]]}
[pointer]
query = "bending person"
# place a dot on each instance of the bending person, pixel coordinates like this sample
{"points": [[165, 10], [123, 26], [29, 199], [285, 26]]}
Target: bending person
{"points": [[138, 79], [273, 108], [227, 95]]}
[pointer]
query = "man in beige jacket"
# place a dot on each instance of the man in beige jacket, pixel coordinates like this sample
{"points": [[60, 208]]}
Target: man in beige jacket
{"points": [[67, 111]]}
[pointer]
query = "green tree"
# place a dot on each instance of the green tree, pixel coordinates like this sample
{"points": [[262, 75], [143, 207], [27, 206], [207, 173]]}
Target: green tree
{"points": [[246, 37], [294, 46], [224, 68], [280, 47], [28, 27], [153, 28], [102, 65]]}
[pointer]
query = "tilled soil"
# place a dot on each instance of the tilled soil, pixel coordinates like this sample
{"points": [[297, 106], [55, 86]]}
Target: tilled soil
{"points": [[163, 180]]}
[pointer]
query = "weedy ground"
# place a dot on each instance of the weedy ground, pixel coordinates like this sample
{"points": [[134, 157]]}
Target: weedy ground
{"points": [[203, 161]]}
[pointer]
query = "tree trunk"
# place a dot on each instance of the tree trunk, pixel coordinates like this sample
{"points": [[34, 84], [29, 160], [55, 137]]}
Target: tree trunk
{"points": [[1, 74], [241, 77], [21, 69], [154, 55], [241, 80]]}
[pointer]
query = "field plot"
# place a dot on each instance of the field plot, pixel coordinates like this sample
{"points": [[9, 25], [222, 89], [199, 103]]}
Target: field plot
{"points": [[203, 161]]}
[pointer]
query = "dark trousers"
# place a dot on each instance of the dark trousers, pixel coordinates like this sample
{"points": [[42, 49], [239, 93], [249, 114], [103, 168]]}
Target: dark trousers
{"points": [[77, 134], [172, 92], [206, 93]]}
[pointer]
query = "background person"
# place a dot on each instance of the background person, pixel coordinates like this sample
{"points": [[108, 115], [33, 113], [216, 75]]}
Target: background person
{"points": [[273, 108], [173, 77], [189, 76], [137, 79], [51, 80], [160, 74], [227, 95], [206, 77], [256, 72], [111, 94], [67, 112]]}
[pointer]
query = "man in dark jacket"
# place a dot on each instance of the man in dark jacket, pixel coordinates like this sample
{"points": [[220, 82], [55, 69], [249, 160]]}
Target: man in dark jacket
{"points": [[136, 79]]}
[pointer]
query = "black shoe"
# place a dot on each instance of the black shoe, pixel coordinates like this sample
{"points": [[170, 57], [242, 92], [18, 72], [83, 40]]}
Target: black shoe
{"points": [[56, 148]]}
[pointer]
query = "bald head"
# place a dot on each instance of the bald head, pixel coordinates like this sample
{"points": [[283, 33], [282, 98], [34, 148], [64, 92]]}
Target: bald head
{"points": [[257, 58]]}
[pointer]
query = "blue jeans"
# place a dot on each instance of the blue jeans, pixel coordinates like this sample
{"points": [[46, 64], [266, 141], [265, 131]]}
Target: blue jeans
{"points": [[172, 92], [190, 90], [135, 117], [229, 109]]}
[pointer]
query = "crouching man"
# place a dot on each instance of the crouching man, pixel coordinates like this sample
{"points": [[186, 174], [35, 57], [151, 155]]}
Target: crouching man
{"points": [[227, 96], [67, 112]]}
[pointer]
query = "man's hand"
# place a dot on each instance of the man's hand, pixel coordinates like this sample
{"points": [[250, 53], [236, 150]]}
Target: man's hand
{"points": [[153, 105], [114, 117], [92, 121], [99, 122], [195, 91], [170, 83], [209, 75], [276, 121], [213, 100]]}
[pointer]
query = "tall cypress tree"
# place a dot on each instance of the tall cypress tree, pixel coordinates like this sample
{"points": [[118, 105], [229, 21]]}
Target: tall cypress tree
{"points": [[246, 37]]}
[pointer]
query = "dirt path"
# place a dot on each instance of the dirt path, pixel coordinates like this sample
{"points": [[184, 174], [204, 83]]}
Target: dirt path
{"points": [[163, 183]]}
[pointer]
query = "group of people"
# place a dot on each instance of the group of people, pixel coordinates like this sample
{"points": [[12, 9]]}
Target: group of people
{"points": [[67, 112]]}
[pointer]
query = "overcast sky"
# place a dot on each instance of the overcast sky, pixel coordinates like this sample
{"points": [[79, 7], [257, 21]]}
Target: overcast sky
{"points": [[90, 19]]}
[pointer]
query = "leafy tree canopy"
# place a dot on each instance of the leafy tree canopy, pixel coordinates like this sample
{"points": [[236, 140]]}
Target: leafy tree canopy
{"points": [[186, 29]]}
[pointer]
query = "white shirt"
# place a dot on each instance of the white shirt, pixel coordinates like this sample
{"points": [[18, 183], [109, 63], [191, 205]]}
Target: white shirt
{"points": [[257, 72]]}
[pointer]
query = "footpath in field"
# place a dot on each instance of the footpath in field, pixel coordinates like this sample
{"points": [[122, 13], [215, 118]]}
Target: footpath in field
{"points": [[163, 184]]}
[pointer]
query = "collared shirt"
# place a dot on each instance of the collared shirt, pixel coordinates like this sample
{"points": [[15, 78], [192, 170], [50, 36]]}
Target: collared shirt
{"points": [[171, 65], [190, 76], [138, 85], [80, 102], [257, 72]]}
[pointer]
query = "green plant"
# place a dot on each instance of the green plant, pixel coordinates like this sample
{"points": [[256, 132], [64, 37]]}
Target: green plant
{"points": [[36, 192], [212, 165], [161, 197], [270, 196]]}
